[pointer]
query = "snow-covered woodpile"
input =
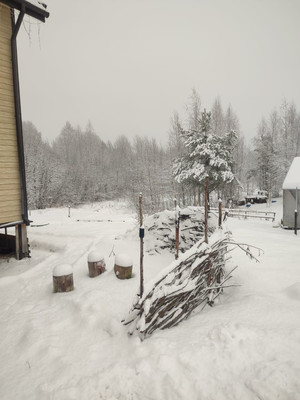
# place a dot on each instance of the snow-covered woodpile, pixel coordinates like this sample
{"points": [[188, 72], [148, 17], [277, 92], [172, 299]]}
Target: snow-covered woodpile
{"points": [[160, 229], [196, 278]]}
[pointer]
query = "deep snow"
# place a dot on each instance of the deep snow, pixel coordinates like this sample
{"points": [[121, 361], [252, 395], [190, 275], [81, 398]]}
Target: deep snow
{"points": [[73, 346]]}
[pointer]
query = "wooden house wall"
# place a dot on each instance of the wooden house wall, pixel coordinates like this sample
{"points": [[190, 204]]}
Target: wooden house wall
{"points": [[10, 186]]}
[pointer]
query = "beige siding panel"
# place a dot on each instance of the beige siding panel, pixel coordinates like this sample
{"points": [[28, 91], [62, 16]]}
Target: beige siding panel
{"points": [[7, 141], [7, 162], [5, 21], [10, 187], [6, 85], [8, 217], [7, 185], [8, 173], [8, 96], [5, 131], [14, 195], [5, 205], [7, 149], [7, 134], [5, 80], [6, 108]]}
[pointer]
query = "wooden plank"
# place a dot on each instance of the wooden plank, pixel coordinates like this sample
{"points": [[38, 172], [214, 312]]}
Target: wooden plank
{"points": [[11, 194], [7, 108], [8, 149], [8, 121], [5, 63], [8, 128], [10, 160], [4, 43], [10, 214], [8, 141], [5, 132], [6, 72], [7, 173], [7, 97], [13, 183], [10, 218], [6, 76], [5, 26], [10, 204], [7, 163], [6, 84]]}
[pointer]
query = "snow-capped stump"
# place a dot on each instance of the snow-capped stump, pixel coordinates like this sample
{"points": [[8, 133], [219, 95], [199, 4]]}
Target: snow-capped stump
{"points": [[63, 278], [123, 266], [96, 264]]}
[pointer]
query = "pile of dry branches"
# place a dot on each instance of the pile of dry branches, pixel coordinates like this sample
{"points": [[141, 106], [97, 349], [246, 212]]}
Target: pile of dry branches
{"points": [[196, 278], [160, 230]]}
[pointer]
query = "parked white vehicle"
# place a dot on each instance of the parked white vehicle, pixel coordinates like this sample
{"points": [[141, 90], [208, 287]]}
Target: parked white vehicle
{"points": [[259, 196]]}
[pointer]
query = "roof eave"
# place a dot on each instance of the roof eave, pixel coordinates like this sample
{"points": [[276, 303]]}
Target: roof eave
{"points": [[30, 9]]}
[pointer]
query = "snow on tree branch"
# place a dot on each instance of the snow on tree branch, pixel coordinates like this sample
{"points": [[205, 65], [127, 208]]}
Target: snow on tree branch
{"points": [[208, 155]]}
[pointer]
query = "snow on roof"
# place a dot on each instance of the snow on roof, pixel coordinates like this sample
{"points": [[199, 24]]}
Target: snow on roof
{"points": [[292, 179]]}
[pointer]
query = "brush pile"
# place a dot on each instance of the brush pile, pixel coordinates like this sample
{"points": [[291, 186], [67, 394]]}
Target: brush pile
{"points": [[160, 230], [195, 279]]}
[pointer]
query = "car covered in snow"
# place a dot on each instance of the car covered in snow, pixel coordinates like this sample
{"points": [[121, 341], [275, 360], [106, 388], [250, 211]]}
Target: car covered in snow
{"points": [[258, 196]]}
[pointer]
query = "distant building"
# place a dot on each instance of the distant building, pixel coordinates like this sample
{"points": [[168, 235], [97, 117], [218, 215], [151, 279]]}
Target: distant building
{"points": [[13, 198], [291, 195]]}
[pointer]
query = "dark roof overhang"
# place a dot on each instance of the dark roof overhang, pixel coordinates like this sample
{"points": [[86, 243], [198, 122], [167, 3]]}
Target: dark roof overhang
{"points": [[30, 9]]}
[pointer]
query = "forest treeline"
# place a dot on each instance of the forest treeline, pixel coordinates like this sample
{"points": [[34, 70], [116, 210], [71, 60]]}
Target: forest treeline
{"points": [[79, 167]]}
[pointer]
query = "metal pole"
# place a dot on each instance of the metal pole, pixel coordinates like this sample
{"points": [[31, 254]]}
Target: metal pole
{"points": [[141, 234]]}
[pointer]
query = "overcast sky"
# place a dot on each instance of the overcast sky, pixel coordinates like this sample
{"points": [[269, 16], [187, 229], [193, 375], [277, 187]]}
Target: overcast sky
{"points": [[126, 65]]}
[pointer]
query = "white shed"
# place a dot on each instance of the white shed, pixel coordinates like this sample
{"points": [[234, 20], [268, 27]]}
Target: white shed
{"points": [[291, 195]]}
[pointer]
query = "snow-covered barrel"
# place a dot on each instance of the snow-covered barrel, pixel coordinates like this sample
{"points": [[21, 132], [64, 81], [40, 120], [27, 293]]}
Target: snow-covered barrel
{"points": [[123, 266], [63, 278], [96, 264]]}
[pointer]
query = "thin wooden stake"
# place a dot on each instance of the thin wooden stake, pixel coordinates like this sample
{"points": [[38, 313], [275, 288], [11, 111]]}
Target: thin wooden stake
{"points": [[296, 212], [206, 211], [141, 234], [177, 219], [220, 213]]}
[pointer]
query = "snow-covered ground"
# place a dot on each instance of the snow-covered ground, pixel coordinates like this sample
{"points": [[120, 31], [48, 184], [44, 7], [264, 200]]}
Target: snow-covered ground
{"points": [[69, 346]]}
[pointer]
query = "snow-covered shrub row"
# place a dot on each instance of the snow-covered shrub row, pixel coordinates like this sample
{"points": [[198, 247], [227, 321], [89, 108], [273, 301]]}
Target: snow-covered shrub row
{"points": [[160, 229]]}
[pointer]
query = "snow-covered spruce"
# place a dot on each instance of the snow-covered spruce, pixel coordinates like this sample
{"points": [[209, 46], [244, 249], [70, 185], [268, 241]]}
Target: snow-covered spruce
{"points": [[160, 229], [197, 277]]}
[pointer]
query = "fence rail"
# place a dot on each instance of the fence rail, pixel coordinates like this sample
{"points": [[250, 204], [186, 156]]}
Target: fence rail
{"points": [[237, 213]]}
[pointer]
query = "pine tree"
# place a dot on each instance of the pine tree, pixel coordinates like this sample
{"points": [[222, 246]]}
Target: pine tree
{"points": [[208, 155]]}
